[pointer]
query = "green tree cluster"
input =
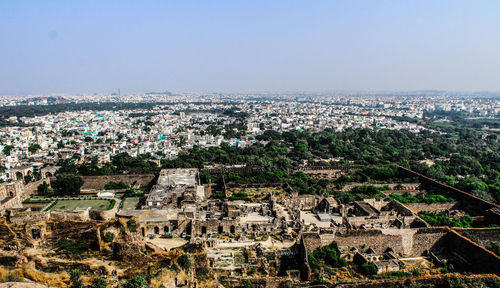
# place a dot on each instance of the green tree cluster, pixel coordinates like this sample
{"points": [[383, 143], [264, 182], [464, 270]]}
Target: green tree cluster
{"points": [[327, 255], [67, 184], [440, 219], [407, 197]]}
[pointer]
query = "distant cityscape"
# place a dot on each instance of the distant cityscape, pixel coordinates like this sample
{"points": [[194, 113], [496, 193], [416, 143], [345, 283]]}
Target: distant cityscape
{"points": [[164, 189]]}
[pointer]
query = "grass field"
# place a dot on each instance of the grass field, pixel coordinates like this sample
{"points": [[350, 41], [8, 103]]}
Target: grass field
{"points": [[130, 203], [70, 205]]}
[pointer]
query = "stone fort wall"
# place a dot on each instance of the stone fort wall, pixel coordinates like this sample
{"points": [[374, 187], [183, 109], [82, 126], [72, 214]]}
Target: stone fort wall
{"points": [[98, 182], [483, 236], [479, 259], [408, 242]]}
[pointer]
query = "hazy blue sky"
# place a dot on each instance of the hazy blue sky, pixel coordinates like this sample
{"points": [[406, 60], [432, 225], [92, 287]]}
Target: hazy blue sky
{"points": [[100, 46]]}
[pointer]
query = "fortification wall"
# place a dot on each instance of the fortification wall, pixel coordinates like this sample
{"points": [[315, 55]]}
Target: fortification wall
{"points": [[31, 188], [431, 280], [26, 217], [433, 207], [479, 259], [425, 238], [476, 204], [98, 182], [408, 242], [482, 236]]}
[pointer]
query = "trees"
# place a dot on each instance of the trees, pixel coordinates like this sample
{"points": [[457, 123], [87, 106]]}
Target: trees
{"points": [[34, 148], [440, 219], [368, 269], [28, 178], [125, 163], [67, 166], [7, 148], [184, 261], [67, 184], [132, 225]]}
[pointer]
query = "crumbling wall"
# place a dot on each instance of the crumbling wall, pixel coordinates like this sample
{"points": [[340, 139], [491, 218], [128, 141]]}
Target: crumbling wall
{"points": [[78, 215], [25, 217], [425, 238]]}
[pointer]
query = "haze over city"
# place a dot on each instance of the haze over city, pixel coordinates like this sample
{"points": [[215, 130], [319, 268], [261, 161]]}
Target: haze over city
{"points": [[140, 46]]}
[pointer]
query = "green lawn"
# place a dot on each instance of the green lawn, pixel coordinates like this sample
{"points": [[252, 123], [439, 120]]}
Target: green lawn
{"points": [[70, 205], [130, 203]]}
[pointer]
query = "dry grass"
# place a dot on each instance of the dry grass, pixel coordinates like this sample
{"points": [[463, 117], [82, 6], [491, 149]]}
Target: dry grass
{"points": [[49, 279]]}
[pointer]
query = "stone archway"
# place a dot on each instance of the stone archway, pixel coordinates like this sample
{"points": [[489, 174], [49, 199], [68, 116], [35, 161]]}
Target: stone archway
{"points": [[156, 230], [166, 229]]}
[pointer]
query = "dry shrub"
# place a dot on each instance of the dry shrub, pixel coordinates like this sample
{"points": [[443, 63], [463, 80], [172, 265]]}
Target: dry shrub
{"points": [[10, 275], [165, 277]]}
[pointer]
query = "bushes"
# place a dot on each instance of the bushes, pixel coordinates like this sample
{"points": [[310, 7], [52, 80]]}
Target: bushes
{"points": [[111, 204], [239, 196], [359, 193], [420, 198], [73, 247], [50, 206], [184, 261], [132, 225], [136, 282], [440, 219], [43, 189], [29, 201], [202, 272], [495, 247], [368, 269], [109, 237], [98, 283], [75, 275], [131, 193], [329, 255]]}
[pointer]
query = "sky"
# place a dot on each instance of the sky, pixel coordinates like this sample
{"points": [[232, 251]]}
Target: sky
{"points": [[241, 46]]}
